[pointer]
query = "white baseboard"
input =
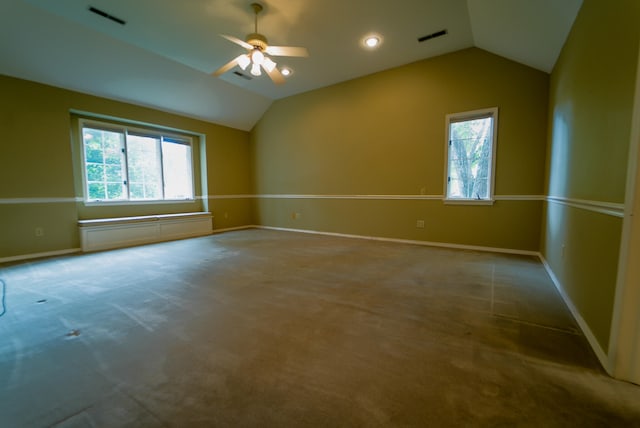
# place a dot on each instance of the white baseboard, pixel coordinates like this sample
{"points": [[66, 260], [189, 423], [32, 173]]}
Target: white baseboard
{"points": [[231, 229], [408, 241], [591, 338], [39, 255]]}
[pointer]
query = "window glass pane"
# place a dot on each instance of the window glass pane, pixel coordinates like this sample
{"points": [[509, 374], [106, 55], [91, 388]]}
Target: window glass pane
{"points": [[96, 191], [143, 161], [114, 173], [470, 156], [103, 163], [115, 191], [95, 172], [113, 155], [178, 182], [136, 190], [93, 152], [132, 164]]}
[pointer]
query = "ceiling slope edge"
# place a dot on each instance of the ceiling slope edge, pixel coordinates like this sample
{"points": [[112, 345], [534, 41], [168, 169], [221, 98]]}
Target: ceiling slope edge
{"points": [[53, 51]]}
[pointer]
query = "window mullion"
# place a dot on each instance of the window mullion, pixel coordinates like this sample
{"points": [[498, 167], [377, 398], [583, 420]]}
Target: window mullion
{"points": [[104, 167], [125, 153], [160, 153]]}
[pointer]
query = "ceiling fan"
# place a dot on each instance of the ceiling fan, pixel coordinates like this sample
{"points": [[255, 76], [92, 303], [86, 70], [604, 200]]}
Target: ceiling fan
{"points": [[257, 53]]}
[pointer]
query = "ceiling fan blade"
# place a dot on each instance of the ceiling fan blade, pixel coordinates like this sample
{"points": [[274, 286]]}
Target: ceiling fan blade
{"points": [[228, 66], [287, 51], [275, 75], [237, 41]]}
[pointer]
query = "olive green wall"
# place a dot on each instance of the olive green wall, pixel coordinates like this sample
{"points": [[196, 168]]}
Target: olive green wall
{"points": [[384, 134], [590, 111], [37, 154]]}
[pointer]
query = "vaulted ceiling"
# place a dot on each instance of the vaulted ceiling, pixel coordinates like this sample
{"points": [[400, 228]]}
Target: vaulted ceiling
{"points": [[164, 55]]}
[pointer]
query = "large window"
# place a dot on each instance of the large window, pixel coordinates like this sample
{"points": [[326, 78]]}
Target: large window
{"points": [[471, 148], [127, 164]]}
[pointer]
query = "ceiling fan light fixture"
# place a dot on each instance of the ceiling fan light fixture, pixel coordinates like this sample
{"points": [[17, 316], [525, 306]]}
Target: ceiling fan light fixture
{"points": [[268, 64], [257, 57], [244, 61], [258, 53], [286, 72], [255, 69]]}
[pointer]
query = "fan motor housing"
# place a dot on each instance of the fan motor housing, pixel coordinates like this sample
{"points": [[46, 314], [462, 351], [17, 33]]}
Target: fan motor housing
{"points": [[257, 40]]}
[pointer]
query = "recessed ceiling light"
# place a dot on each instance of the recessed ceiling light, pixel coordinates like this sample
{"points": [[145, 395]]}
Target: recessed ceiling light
{"points": [[372, 41], [286, 72]]}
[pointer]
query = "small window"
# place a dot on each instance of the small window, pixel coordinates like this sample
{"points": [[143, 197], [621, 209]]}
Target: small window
{"points": [[471, 148], [124, 164]]}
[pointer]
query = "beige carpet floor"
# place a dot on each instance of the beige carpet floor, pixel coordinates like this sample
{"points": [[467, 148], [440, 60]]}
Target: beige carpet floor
{"points": [[277, 329]]}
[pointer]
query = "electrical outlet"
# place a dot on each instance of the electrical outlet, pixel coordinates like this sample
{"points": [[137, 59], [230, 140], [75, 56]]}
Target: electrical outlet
{"points": [[423, 191], [420, 224], [39, 231]]}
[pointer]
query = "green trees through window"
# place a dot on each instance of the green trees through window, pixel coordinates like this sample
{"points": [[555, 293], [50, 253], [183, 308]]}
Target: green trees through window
{"points": [[470, 155], [143, 165], [104, 161], [121, 165]]}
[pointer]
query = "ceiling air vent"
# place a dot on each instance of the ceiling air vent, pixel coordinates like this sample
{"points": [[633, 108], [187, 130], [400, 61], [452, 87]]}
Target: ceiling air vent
{"points": [[244, 76], [104, 14], [432, 35]]}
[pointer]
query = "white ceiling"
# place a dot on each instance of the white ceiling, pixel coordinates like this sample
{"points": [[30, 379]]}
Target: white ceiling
{"points": [[164, 56]]}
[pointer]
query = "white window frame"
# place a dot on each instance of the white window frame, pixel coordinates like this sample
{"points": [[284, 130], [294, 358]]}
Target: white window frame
{"points": [[461, 117], [126, 129]]}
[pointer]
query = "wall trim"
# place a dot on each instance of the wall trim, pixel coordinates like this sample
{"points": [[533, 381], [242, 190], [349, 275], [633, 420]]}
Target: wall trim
{"points": [[240, 196], [388, 197], [13, 201], [591, 338], [55, 200], [406, 241], [367, 197], [519, 197], [39, 255], [231, 229], [607, 208]]}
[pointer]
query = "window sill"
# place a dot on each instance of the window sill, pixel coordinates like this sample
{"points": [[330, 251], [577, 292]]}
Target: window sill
{"points": [[469, 201], [142, 219], [156, 202]]}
